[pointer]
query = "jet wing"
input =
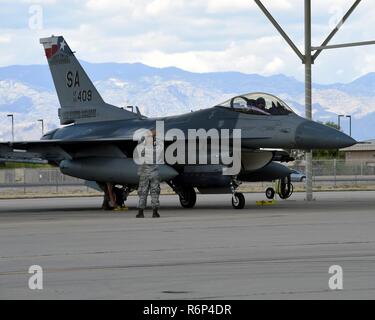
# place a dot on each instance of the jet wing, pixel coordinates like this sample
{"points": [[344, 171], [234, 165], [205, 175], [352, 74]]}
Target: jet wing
{"points": [[55, 151], [58, 150], [28, 144]]}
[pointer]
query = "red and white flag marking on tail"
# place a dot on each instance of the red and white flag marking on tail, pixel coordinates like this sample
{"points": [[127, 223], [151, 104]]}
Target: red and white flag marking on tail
{"points": [[50, 46], [53, 44]]}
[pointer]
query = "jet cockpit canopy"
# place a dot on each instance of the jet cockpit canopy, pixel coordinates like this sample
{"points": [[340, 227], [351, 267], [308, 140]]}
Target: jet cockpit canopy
{"points": [[258, 103]]}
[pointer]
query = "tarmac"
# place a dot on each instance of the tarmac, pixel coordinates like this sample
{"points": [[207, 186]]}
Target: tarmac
{"points": [[280, 251]]}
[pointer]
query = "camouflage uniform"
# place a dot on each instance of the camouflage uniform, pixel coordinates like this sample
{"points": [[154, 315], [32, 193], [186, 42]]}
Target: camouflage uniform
{"points": [[148, 181]]}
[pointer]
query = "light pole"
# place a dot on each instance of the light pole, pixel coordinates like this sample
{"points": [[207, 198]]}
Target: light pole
{"points": [[308, 96], [339, 120], [350, 124], [308, 60], [42, 121], [12, 117]]}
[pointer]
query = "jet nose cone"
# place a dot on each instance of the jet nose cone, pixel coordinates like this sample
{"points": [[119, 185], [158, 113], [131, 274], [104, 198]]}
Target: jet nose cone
{"points": [[313, 135]]}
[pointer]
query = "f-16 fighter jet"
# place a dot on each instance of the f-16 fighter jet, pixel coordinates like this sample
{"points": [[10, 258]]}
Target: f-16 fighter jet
{"points": [[97, 141]]}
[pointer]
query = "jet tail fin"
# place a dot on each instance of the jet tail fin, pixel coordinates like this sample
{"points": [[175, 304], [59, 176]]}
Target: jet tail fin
{"points": [[79, 99]]}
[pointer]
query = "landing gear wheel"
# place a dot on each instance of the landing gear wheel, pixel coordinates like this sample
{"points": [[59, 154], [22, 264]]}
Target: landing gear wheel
{"points": [[238, 200], [270, 193], [188, 198]]}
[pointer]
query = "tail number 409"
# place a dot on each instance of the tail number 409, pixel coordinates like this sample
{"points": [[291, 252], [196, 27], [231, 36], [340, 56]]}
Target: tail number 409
{"points": [[84, 95]]}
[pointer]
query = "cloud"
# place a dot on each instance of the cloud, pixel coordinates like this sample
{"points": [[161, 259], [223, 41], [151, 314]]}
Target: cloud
{"points": [[114, 5], [366, 64], [275, 66], [158, 7], [212, 35], [42, 2], [5, 38]]}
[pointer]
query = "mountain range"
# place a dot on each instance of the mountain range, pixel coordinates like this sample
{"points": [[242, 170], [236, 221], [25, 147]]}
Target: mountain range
{"points": [[28, 93]]}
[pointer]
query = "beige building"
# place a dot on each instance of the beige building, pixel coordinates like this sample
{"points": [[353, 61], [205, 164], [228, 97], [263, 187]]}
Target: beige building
{"points": [[364, 152]]}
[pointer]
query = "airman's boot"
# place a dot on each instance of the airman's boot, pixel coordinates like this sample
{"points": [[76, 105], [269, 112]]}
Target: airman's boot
{"points": [[155, 214], [140, 214]]}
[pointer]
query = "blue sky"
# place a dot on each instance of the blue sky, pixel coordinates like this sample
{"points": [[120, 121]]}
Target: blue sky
{"points": [[196, 35]]}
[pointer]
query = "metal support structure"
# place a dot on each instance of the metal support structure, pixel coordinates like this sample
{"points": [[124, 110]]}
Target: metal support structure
{"points": [[308, 59], [337, 28], [280, 29], [344, 45], [308, 95], [12, 117]]}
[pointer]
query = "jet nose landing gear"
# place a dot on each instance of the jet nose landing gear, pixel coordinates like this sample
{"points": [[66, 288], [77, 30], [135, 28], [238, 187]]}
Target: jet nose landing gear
{"points": [[238, 199], [270, 193], [284, 188]]}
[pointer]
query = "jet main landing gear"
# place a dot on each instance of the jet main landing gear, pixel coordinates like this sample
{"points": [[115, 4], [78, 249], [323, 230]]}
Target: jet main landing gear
{"points": [[188, 197], [186, 194], [238, 200]]}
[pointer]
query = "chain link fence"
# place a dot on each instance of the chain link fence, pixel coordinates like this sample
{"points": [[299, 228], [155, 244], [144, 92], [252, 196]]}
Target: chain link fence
{"points": [[28, 180], [328, 174], [336, 172]]}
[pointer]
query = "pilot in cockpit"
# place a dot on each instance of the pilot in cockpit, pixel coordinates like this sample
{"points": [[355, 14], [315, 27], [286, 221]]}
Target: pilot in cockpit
{"points": [[261, 104]]}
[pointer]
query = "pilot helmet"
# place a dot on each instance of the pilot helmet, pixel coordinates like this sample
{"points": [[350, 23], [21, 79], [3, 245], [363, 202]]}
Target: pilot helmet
{"points": [[261, 102]]}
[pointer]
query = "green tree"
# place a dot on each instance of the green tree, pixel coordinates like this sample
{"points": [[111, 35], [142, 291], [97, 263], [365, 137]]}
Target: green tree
{"points": [[15, 165], [331, 124]]}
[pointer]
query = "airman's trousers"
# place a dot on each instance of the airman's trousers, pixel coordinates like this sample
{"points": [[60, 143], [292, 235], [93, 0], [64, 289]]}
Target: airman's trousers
{"points": [[149, 183]]}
